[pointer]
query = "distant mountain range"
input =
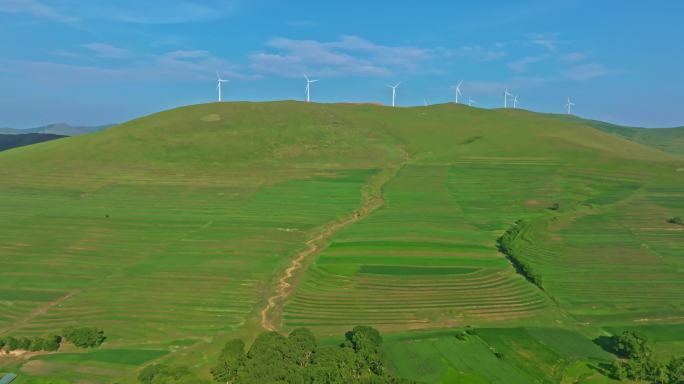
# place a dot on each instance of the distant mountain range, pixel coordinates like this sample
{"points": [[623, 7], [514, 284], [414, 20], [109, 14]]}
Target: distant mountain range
{"points": [[62, 129], [23, 139]]}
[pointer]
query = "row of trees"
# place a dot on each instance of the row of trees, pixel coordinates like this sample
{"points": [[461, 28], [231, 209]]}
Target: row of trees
{"points": [[33, 344], [295, 358], [505, 243], [636, 361], [84, 337]]}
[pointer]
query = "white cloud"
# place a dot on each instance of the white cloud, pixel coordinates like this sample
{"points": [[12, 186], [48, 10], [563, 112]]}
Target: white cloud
{"points": [[348, 56], [547, 41], [497, 88], [169, 12], [521, 65], [478, 53], [178, 66], [588, 71], [107, 51], [573, 57], [34, 8]]}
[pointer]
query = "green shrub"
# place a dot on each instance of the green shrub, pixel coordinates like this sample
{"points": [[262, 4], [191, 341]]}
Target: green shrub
{"points": [[505, 243], [86, 337], [676, 220]]}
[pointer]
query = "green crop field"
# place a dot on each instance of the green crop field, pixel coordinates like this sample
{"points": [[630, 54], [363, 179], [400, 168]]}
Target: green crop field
{"points": [[178, 231]]}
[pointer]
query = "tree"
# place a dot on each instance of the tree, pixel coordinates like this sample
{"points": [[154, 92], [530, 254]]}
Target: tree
{"points": [[37, 344], [298, 359], [24, 343], [231, 359], [12, 343], [52, 343], [675, 370], [86, 337], [631, 345], [303, 345], [367, 344]]}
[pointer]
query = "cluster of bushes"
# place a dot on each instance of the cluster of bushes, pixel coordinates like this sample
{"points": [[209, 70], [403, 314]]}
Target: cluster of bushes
{"points": [[676, 220], [296, 358], [505, 243], [636, 361], [85, 337], [468, 331], [33, 344]]}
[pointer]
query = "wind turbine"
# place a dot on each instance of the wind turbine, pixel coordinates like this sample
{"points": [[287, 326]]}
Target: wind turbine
{"points": [[515, 102], [394, 93], [308, 88], [471, 101], [569, 105], [219, 80], [506, 94], [457, 90]]}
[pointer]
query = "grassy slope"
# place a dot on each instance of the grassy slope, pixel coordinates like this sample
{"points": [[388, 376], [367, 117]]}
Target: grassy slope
{"points": [[168, 231], [666, 139]]}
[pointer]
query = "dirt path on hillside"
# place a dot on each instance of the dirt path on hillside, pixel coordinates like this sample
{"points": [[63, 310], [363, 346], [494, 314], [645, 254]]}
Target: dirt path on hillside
{"points": [[41, 310], [372, 200]]}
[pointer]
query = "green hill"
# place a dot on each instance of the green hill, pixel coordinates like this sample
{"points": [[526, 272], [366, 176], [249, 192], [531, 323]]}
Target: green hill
{"points": [[179, 230], [666, 139]]}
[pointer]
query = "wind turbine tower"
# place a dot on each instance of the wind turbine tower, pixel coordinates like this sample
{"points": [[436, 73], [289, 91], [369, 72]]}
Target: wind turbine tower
{"points": [[506, 94], [308, 88], [569, 105], [515, 102], [457, 90], [394, 93], [471, 101], [219, 80]]}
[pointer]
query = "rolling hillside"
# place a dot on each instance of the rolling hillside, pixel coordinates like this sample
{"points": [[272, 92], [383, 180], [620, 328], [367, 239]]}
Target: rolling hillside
{"points": [[179, 230], [666, 139]]}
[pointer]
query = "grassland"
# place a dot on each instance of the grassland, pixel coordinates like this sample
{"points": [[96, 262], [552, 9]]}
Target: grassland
{"points": [[173, 231]]}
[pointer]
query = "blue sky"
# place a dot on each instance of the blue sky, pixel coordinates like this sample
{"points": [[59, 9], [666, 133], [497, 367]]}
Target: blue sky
{"points": [[102, 61]]}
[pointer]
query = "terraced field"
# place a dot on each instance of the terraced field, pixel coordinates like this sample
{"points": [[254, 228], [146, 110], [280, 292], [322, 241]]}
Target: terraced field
{"points": [[616, 259], [428, 256]]}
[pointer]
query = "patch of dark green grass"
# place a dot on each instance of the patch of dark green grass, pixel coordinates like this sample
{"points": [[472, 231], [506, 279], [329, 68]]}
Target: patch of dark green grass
{"points": [[408, 270]]}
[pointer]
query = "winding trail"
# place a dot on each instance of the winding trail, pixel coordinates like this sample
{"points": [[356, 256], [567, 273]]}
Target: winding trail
{"points": [[372, 200]]}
